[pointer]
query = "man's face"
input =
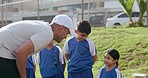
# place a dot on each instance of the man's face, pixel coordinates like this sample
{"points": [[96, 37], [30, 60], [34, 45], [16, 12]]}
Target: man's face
{"points": [[62, 34]]}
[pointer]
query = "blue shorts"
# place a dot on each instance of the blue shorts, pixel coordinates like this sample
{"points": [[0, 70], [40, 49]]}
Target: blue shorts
{"points": [[83, 74], [61, 75]]}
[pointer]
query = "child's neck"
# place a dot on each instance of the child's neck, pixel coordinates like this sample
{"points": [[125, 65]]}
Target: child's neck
{"points": [[79, 39], [110, 67], [49, 46]]}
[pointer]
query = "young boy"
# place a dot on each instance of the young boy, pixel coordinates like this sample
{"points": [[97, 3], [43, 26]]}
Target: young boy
{"points": [[51, 62], [81, 53], [31, 66]]}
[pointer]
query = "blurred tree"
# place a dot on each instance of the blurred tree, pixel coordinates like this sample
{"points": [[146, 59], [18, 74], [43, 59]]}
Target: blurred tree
{"points": [[128, 6], [142, 8], [147, 13]]}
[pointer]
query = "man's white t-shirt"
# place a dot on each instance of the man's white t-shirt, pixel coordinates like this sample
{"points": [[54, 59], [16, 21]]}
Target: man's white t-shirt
{"points": [[14, 35]]}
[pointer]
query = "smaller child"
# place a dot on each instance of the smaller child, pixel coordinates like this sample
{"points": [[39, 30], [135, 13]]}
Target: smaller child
{"points": [[51, 62], [110, 70], [31, 66]]}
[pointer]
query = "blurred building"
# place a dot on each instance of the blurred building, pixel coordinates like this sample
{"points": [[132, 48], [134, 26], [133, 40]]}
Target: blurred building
{"points": [[92, 10]]}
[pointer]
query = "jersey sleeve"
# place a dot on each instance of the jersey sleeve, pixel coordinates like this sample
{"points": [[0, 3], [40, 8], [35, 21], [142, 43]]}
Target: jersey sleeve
{"points": [[118, 74], [61, 57], [34, 59], [92, 47], [99, 73], [65, 47], [38, 57]]}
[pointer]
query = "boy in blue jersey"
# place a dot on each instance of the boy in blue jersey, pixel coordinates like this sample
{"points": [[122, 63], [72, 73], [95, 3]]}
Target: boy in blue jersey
{"points": [[110, 70], [51, 62], [31, 66], [81, 53]]}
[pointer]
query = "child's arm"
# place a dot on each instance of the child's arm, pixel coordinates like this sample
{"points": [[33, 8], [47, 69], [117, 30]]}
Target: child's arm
{"points": [[94, 57], [63, 66], [67, 56], [61, 58], [34, 68], [34, 59], [66, 49], [92, 49]]}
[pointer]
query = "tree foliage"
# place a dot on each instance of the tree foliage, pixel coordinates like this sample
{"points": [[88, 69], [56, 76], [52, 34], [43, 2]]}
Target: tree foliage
{"points": [[128, 6], [142, 8]]}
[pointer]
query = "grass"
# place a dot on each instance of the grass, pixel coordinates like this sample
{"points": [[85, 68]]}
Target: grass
{"points": [[132, 43]]}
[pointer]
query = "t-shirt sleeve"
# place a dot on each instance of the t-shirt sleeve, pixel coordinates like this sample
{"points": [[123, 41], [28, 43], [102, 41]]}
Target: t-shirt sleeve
{"points": [[41, 39], [92, 47]]}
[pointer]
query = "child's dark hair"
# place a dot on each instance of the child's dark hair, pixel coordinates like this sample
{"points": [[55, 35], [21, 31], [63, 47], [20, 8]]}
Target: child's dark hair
{"points": [[114, 54], [84, 27]]}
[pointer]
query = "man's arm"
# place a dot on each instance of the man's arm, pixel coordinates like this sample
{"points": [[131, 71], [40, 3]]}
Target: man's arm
{"points": [[21, 57]]}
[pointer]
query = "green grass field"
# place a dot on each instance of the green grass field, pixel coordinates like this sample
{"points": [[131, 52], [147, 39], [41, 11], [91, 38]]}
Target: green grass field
{"points": [[132, 43]]}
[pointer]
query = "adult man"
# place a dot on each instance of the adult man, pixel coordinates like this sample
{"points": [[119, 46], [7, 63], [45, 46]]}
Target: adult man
{"points": [[21, 39]]}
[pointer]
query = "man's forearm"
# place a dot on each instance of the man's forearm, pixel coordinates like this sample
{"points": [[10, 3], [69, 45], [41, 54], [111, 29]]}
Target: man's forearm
{"points": [[21, 66], [21, 56]]}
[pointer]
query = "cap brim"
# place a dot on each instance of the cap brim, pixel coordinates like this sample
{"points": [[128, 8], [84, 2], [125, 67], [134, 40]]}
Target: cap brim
{"points": [[72, 32]]}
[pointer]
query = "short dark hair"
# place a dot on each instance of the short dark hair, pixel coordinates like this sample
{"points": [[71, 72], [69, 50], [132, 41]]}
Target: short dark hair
{"points": [[84, 27]]}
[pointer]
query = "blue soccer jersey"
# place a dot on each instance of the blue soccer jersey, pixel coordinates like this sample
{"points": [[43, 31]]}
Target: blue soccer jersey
{"points": [[49, 62], [114, 73], [80, 54], [30, 67], [31, 61]]}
